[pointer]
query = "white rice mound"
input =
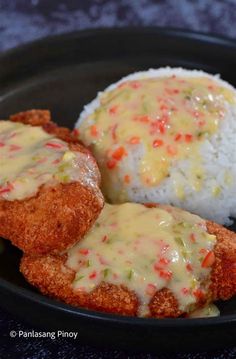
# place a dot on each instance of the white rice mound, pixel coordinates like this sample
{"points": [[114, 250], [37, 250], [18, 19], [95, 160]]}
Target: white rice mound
{"points": [[218, 156]]}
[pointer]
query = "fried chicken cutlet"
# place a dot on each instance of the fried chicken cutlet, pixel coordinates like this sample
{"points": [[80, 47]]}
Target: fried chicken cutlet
{"points": [[49, 184], [141, 261]]}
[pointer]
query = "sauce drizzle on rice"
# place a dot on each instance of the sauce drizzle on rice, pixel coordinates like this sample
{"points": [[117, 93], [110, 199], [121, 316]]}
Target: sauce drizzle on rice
{"points": [[146, 249], [165, 118]]}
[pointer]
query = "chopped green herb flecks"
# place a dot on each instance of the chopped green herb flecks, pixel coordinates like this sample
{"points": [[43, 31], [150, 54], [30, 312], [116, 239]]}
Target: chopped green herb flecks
{"points": [[106, 272], [179, 241], [130, 274]]}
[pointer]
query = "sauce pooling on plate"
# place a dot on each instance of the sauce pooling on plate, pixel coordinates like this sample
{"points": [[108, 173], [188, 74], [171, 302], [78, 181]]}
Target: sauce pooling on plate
{"points": [[145, 250], [209, 310], [159, 120], [30, 157]]}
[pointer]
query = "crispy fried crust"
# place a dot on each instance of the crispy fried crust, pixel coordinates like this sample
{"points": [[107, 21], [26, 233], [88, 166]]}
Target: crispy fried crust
{"points": [[53, 278], [164, 305], [50, 275], [51, 221], [223, 281], [43, 118], [57, 216]]}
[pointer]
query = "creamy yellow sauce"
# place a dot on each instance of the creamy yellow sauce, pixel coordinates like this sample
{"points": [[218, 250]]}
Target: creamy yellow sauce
{"points": [[164, 119], [145, 249], [30, 157], [209, 310]]}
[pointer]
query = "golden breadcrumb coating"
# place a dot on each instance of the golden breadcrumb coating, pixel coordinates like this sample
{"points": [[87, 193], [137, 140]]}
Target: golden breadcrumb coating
{"points": [[51, 276], [57, 216]]}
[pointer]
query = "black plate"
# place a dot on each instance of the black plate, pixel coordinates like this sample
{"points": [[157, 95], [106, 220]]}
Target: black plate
{"points": [[62, 74]]}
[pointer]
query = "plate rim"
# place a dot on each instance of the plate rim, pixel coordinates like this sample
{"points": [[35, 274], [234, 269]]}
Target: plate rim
{"points": [[101, 31], [40, 299], [48, 302]]}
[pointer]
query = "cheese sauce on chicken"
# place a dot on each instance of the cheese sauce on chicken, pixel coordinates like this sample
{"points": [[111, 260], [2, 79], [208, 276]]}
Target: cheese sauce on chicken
{"points": [[146, 249], [166, 119], [30, 157]]}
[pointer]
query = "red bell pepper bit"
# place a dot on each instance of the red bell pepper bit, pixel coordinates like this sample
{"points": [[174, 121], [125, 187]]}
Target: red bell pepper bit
{"points": [[209, 260], [84, 251], [158, 126], [198, 294], [188, 137], [54, 145], [93, 131], [5, 189], [113, 110], [2, 144], [111, 164], [93, 275], [165, 274], [189, 267], [178, 137], [119, 153], [157, 143], [134, 140], [164, 261]]}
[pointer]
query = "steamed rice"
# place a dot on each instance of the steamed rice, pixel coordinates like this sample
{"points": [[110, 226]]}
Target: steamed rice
{"points": [[216, 200]]}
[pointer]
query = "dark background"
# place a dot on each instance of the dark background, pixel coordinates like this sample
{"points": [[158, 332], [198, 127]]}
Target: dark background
{"points": [[25, 20]]}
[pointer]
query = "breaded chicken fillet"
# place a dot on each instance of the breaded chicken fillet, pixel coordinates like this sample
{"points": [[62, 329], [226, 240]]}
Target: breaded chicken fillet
{"points": [[54, 275], [52, 195]]}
